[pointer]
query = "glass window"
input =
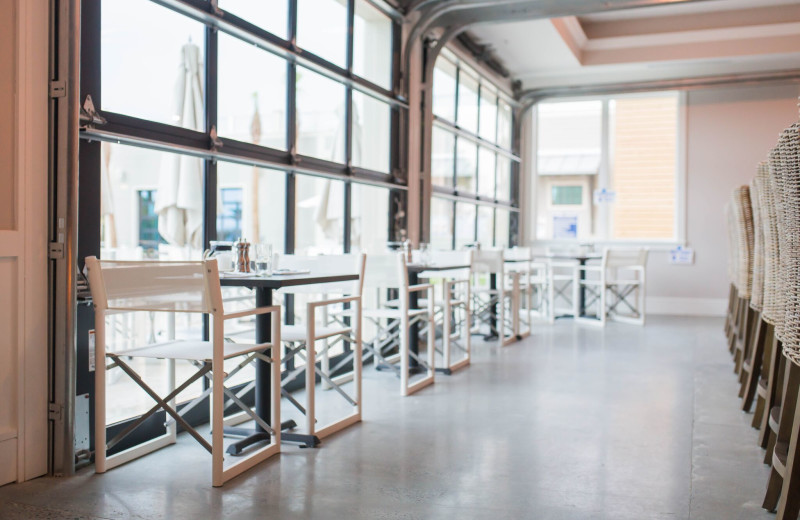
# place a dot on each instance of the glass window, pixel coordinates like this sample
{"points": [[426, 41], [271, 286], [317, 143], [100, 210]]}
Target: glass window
{"points": [[486, 169], [488, 127], [270, 16], [467, 102], [465, 224], [175, 51], [372, 130], [444, 90], [643, 173], [567, 195], [251, 95], [502, 227], [149, 237], [261, 215], [442, 161], [319, 216], [320, 116], [503, 177], [372, 45], [485, 226], [569, 138], [151, 204], [322, 29], [370, 219], [606, 168], [504, 125], [441, 223], [229, 214], [467, 156]]}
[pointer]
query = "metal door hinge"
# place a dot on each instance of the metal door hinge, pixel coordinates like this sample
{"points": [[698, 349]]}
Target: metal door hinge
{"points": [[56, 250], [54, 411], [58, 89]]}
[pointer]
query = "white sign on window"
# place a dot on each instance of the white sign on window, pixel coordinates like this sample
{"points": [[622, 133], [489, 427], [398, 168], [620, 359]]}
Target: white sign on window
{"points": [[681, 255], [605, 196]]}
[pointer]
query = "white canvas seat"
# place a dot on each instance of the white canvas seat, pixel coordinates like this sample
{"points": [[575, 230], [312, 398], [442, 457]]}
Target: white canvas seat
{"points": [[325, 327], [179, 287], [492, 306], [616, 286], [385, 273]]}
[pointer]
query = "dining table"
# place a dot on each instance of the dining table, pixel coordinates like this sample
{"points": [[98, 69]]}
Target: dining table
{"points": [[264, 286], [581, 259]]}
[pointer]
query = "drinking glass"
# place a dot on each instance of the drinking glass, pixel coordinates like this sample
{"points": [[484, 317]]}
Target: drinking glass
{"points": [[264, 259]]}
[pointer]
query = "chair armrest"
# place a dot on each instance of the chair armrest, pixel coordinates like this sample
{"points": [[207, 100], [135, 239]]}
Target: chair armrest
{"points": [[420, 287], [324, 303], [251, 312]]}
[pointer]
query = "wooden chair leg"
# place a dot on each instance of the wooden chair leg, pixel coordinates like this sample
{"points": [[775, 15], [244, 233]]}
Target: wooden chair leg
{"points": [[762, 381], [772, 396], [773, 491], [752, 366], [741, 340], [785, 448]]}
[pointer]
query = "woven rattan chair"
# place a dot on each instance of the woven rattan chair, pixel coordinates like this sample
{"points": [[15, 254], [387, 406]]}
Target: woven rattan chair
{"points": [[743, 274], [783, 489], [754, 350], [733, 251]]}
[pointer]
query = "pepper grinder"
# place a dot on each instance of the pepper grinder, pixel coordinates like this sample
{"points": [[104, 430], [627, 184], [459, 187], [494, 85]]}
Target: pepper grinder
{"points": [[242, 248]]}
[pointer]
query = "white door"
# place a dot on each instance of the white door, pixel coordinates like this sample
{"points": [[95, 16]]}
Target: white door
{"points": [[23, 239]]}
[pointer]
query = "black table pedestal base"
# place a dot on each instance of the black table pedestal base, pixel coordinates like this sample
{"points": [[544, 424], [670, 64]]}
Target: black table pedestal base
{"points": [[253, 436]]}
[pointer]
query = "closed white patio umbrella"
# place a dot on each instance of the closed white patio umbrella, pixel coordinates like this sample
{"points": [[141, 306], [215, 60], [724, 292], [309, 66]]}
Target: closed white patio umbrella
{"points": [[179, 202]]}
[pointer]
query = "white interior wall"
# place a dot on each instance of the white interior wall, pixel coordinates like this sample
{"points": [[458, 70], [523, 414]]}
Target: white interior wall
{"points": [[729, 131]]}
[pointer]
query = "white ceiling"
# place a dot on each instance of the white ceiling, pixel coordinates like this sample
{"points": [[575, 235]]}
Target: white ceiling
{"points": [[644, 44]]}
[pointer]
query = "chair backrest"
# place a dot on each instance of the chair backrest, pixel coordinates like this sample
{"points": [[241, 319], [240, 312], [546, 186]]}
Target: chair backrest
{"points": [[518, 253], [463, 258], [625, 258], [151, 285], [771, 248], [756, 196], [386, 271], [488, 261], [744, 221], [327, 264]]}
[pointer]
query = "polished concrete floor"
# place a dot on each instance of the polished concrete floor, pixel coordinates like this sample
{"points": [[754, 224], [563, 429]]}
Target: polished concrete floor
{"points": [[571, 423]]}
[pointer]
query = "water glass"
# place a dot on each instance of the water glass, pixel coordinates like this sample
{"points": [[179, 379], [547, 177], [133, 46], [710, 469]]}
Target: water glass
{"points": [[264, 259]]}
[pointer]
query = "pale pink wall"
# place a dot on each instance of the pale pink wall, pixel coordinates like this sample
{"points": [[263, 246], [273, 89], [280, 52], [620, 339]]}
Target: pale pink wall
{"points": [[728, 132]]}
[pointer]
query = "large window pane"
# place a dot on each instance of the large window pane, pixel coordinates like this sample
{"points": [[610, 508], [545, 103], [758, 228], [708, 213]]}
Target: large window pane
{"points": [[502, 227], [320, 116], [442, 159], [372, 45], [467, 102], [270, 15], [444, 90], [441, 223], [467, 156], [465, 224], [486, 226], [503, 177], [135, 213], [168, 88], [371, 133], [252, 94], [504, 125], [319, 216], [322, 29], [370, 219], [151, 204], [486, 169], [488, 129], [569, 138], [252, 201], [644, 134]]}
